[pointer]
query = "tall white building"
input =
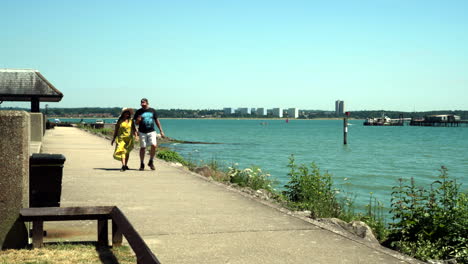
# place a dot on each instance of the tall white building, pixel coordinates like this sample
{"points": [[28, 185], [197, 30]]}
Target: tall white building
{"points": [[261, 111], [228, 111], [277, 112], [243, 110], [293, 112], [339, 107]]}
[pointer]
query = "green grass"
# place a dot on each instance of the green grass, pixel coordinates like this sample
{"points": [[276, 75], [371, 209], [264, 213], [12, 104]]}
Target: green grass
{"points": [[68, 254]]}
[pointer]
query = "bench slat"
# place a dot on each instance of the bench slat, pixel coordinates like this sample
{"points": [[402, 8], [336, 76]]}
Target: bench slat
{"points": [[66, 213]]}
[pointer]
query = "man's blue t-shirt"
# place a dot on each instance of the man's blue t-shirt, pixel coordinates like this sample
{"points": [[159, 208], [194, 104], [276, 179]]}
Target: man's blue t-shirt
{"points": [[148, 118]]}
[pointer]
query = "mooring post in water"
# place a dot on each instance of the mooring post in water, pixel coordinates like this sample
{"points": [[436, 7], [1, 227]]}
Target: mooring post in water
{"points": [[345, 128]]}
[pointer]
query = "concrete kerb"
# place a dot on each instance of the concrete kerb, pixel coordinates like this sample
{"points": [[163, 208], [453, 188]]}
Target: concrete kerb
{"points": [[272, 204]]}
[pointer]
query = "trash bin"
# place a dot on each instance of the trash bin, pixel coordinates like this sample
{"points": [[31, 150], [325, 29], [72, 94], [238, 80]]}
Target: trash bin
{"points": [[45, 179]]}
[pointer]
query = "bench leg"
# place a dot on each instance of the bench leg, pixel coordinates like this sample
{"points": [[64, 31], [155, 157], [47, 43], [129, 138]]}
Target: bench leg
{"points": [[116, 235], [38, 234], [102, 231]]}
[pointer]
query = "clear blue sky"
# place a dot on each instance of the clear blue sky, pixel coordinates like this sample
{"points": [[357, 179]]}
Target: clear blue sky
{"points": [[391, 54]]}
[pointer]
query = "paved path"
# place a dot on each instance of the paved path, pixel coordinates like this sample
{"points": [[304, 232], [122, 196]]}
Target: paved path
{"points": [[186, 219]]}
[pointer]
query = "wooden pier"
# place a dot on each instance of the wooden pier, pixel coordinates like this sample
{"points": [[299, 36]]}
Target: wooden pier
{"points": [[422, 122]]}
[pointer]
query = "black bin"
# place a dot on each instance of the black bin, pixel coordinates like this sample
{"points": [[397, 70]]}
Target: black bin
{"points": [[45, 179]]}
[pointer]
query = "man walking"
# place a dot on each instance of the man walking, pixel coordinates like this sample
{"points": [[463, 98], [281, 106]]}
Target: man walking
{"points": [[146, 118]]}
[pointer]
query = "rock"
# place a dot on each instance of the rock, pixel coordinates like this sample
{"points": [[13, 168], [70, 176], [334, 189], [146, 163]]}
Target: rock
{"points": [[176, 164], [205, 171], [357, 228], [447, 261], [361, 229], [220, 176], [305, 213]]}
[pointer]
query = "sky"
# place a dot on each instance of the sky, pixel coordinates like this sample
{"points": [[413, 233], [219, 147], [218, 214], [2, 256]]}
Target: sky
{"points": [[407, 55]]}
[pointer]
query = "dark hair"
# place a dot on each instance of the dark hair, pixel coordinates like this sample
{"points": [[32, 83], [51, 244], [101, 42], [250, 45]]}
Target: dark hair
{"points": [[144, 99], [121, 117]]}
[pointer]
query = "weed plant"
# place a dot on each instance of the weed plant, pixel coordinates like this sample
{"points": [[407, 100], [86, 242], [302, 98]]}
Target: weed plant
{"points": [[103, 131], [253, 177], [430, 223], [309, 189], [172, 156]]}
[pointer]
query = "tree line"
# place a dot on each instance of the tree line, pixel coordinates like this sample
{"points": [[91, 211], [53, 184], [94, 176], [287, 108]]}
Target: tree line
{"points": [[219, 113]]}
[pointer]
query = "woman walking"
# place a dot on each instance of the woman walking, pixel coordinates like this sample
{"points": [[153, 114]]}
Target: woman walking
{"points": [[124, 137]]}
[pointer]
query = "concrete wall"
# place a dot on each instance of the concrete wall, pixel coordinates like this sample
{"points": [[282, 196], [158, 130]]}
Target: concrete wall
{"points": [[14, 176], [37, 126]]}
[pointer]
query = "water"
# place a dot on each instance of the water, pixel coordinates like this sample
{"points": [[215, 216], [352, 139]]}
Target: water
{"points": [[85, 120], [374, 159]]}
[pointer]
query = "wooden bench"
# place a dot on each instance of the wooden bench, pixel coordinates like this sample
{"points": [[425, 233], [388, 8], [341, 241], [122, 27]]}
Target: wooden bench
{"points": [[120, 226]]}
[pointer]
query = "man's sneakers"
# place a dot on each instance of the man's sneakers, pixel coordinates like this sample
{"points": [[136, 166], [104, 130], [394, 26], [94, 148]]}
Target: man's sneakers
{"points": [[151, 165]]}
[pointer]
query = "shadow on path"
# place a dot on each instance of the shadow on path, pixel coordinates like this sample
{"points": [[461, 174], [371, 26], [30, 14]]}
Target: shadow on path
{"points": [[108, 169]]}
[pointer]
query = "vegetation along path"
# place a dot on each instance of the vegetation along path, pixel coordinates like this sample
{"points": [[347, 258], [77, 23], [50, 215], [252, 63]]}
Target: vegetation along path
{"points": [[185, 218]]}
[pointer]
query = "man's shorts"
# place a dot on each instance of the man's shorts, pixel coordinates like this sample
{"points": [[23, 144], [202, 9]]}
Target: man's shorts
{"points": [[147, 139]]}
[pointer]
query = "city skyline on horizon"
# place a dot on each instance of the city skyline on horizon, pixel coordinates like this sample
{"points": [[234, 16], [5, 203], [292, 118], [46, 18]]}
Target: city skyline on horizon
{"points": [[393, 56], [27, 105]]}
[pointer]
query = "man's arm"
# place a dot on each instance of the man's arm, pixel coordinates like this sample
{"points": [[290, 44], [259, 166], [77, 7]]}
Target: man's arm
{"points": [[158, 124]]}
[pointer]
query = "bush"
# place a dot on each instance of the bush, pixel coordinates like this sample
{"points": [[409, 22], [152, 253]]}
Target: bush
{"points": [[104, 131], [430, 223], [172, 156], [309, 189], [253, 177]]}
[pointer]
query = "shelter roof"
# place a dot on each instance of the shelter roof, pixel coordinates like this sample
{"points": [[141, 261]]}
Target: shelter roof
{"points": [[26, 84]]}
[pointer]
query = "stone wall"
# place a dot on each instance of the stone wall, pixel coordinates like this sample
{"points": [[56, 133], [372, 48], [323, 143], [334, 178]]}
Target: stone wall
{"points": [[37, 126], [14, 176]]}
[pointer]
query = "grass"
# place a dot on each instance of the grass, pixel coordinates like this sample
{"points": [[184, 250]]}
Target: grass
{"points": [[68, 254]]}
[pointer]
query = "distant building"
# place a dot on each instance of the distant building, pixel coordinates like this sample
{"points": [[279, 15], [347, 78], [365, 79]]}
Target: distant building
{"points": [[293, 113], [243, 110], [277, 112], [442, 118], [339, 107], [228, 111], [261, 111]]}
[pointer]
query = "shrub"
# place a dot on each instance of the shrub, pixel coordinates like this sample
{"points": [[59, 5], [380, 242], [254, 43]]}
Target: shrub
{"points": [[104, 131], [172, 156], [309, 189], [430, 223], [253, 177]]}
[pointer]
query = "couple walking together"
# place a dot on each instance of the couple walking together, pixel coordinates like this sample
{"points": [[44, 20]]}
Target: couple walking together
{"points": [[125, 131]]}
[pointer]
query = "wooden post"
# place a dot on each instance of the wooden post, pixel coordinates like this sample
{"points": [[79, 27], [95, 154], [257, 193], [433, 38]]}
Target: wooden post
{"points": [[116, 235], [102, 227], [35, 105], [38, 234]]}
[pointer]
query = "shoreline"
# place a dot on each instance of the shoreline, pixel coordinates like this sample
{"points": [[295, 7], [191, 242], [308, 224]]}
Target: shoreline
{"points": [[217, 118]]}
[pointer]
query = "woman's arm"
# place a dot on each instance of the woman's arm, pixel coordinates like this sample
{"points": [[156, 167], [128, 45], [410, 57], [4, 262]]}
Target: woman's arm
{"points": [[116, 131]]}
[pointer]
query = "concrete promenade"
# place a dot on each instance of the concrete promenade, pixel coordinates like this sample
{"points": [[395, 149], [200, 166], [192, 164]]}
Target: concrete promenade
{"points": [[185, 218]]}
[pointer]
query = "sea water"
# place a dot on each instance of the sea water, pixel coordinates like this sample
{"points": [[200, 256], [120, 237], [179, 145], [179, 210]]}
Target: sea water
{"points": [[83, 120], [372, 161]]}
